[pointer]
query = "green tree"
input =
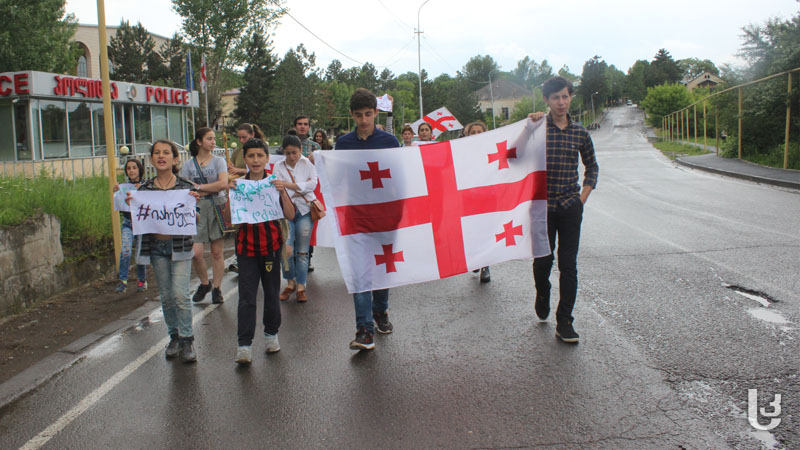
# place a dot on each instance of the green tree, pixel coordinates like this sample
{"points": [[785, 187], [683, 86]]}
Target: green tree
{"points": [[663, 69], [477, 70], [664, 99], [253, 104], [36, 36], [594, 86], [615, 83], [635, 87], [693, 67], [220, 29], [564, 72], [133, 56], [175, 59]]}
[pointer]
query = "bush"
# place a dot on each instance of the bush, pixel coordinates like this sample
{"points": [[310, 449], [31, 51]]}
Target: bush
{"points": [[83, 207]]}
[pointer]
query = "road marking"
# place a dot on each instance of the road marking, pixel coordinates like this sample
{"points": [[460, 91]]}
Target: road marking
{"points": [[95, 396]]}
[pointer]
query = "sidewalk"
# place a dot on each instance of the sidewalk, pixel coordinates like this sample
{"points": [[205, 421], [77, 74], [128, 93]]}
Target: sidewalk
{"points": [[746, 170]]}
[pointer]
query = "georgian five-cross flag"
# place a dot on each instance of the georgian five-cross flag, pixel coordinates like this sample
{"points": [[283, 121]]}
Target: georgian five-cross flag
{"points": [[417, 214], [440, 121]]}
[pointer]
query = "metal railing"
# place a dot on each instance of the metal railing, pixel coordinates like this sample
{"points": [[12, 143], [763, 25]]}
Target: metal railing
{"points": [[677, 126]]}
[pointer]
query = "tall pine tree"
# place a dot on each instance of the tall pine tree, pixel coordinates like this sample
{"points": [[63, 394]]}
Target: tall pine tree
{"points": [[254, 103]]}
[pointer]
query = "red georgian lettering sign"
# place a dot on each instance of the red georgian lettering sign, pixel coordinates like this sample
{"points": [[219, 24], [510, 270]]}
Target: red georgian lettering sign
{"points": [[71, 87]]}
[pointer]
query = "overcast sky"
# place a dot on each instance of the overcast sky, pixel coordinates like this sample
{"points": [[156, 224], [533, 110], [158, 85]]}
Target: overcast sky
{"points": [[563, 32]]}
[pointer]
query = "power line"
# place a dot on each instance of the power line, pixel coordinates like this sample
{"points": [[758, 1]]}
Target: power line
{"points": [[323, 41], [386, 64], [396, 19]]}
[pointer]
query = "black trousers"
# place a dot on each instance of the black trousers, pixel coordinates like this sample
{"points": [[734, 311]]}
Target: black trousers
{"points": [[566, 225], [267, 270]]}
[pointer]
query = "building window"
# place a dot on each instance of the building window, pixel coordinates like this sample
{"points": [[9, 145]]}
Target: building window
{"points": [[54, 129], [98, 118], [80, 129], [490, 112], [141, 124], [6, 133], [159, 122], [505, 113], [24, 149], [175, 125], [83, 69]]}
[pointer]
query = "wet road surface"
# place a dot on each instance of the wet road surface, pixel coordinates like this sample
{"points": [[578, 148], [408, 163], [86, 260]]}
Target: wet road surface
{"points": [[667, 351]]}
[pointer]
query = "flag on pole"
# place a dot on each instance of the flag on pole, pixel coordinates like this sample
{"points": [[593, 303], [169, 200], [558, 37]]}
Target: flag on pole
{"points": [[417, 214], [440, 120], [203, 80], [189, 71]]}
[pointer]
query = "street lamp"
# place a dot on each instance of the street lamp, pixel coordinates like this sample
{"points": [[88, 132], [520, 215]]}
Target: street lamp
{"points": [[591, 97], [491, 95], [419, 56]]}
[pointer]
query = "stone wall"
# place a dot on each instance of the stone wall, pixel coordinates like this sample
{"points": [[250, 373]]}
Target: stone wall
{"points": [[32, 264]]}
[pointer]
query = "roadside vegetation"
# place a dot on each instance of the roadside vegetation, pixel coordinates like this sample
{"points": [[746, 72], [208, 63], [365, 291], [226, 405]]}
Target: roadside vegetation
{"points": [[673, 150], [82, 207]]}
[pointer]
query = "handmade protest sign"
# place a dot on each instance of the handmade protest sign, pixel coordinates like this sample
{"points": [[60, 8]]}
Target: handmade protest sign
{"points": [[255, 201], [163, 212], [121, 194]]}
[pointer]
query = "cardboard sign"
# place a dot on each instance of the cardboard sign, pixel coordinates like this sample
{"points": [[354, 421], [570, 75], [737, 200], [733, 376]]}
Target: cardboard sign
{"points": [[255, 201], [121, 195]]}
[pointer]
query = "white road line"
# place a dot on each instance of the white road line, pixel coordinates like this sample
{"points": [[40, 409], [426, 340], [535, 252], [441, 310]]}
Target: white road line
{"points": [[95, 396]]}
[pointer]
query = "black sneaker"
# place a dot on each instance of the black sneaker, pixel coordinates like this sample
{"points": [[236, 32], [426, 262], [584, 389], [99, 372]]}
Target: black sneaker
{"points": [[566, 333], [233, 268], [173, 348], [485, 276], [542, 306], [201, 292], [363, 340], [187, 352], [382, 322], [310, 267], [216, 296]]}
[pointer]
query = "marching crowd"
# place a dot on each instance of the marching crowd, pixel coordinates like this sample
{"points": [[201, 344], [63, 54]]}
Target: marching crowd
{"points": [[265, 250]]}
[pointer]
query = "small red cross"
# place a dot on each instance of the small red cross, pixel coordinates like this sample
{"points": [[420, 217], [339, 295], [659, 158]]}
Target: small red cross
{"points": [[375, 174], [439, 113], [502, 155], [389, 258], [508, 234]]}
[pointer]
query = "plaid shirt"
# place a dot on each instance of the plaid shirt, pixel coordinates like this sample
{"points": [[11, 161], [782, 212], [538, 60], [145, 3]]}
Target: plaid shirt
{"points": [[308, 145], [563, 148]]}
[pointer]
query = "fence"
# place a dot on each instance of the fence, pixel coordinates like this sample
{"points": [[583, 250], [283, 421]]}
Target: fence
{"points": [[74, 169], [677, 126]]}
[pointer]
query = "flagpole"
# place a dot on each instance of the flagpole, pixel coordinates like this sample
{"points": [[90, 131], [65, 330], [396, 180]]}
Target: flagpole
{"points": [[207, 125]]}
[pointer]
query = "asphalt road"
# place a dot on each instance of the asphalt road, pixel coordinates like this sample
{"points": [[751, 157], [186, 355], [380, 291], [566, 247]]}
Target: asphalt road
{"points": [[666, 358]]}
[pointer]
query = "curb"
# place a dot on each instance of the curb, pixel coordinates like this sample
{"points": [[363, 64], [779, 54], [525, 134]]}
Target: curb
{"points": [[743, 176], [33, 377]]}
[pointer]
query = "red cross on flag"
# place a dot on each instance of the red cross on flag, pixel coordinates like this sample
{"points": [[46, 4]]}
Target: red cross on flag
{"points": [[440, 120], [417, 214], [203, 79]]}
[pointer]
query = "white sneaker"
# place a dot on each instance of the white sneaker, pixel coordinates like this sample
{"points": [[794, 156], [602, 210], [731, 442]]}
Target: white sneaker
{"points": [[244, 355], [271, 341]]}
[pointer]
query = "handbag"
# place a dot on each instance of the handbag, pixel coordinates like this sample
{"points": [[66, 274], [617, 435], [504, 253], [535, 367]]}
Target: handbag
{"points": [[222, 213], [316, 206]]}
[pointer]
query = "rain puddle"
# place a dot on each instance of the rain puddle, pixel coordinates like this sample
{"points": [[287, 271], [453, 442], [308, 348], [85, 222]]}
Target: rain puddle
{"points": [[106, 347], [768, 316]]}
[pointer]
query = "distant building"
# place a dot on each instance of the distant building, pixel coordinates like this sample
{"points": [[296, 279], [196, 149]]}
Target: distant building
{"points": [[505, 93], [88, 39], [705, 80], [227, 104]]}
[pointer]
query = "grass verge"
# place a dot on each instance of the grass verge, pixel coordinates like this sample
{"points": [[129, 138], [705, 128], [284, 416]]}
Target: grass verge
{"points": [[673, 150]]}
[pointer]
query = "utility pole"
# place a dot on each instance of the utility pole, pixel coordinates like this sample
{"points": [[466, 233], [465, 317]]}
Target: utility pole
{"points": [[419, 56]]}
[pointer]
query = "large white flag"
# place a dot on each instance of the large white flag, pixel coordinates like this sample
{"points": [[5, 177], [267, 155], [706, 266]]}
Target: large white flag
{"points": [[417, 214], [440, 121]]}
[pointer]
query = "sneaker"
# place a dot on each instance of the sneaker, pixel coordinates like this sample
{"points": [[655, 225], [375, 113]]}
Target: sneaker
{"points": [[187, 352], [485, 277], [173, 348], [542, 306], [201, 292], [121, 286], [382, 323], [244, 355], [566, 333], [271, 342], [310, 267], [233, 268], [363, 340], [141, 286], [216, 296]]}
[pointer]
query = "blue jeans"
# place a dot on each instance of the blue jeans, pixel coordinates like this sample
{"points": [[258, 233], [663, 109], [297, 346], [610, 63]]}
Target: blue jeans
{"points": [[125, 254], [173, 286], [367, 303], [299, 238]]}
